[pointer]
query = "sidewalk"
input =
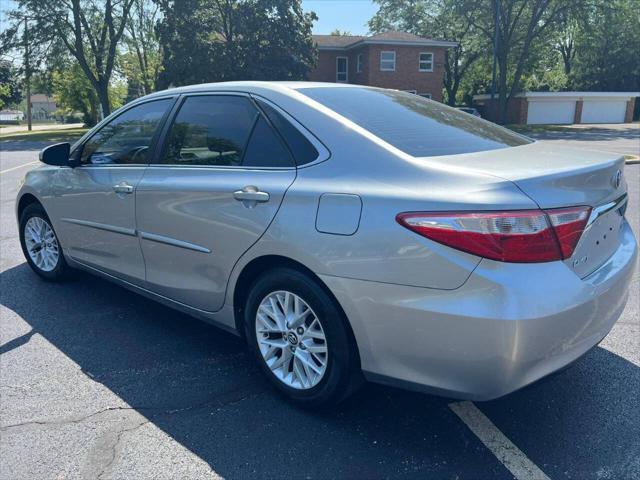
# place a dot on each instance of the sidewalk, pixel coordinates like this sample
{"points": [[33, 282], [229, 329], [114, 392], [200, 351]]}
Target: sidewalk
{"points": [[49, 126]]}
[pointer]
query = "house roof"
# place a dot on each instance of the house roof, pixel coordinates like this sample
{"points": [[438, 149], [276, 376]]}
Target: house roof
{"points": [[570, 95], [392, 37], [41, 97]]}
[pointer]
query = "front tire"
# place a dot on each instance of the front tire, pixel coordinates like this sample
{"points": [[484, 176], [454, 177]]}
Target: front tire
{"points": [[40, 244], [300, 339]]}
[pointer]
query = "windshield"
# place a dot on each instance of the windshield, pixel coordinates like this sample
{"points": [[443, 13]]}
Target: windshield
{"points": [[413, 124]]}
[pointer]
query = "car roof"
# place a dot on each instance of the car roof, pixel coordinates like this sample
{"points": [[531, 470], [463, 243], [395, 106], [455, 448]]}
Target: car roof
{"points": [[250, 86]]}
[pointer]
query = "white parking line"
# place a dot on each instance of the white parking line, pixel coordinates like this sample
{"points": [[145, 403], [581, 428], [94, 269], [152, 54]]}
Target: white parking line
{"points": [[16, 168], [509, 455]]}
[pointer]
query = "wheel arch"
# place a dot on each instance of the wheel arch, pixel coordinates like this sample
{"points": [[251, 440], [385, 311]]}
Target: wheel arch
{"points": [[25, 200], [260, 265]]}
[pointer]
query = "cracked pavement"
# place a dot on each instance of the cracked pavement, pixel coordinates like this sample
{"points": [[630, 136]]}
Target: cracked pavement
{"points": [[98, 382]]}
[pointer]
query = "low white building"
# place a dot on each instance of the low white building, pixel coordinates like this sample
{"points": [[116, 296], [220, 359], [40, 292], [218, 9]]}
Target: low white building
{"points": [[537, 108], [11, 116]]}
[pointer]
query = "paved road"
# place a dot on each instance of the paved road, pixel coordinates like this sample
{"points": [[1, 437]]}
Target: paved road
{"points": [[97, 382], [620, 138]]}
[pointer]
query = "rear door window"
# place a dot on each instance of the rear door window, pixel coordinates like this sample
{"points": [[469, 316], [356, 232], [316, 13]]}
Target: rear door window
{"points": [[302, 149], [413, 124], [223, 130]]}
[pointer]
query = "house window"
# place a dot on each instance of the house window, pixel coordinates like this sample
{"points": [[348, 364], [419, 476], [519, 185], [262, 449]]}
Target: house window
{"points": [[342, 69], [425, 95], [388, 61], [426, 62], [359, 61]]}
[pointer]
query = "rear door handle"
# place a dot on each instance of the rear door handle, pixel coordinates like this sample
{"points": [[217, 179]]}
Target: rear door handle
{"points": [[250, 195], [123, 187]]}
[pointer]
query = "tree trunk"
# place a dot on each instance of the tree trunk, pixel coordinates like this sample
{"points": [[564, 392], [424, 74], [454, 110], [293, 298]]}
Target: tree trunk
{"points": [[502, 91], [102, 89]]}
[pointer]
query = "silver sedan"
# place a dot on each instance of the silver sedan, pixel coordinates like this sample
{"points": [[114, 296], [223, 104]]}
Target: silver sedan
{"points": [[348, 233]]}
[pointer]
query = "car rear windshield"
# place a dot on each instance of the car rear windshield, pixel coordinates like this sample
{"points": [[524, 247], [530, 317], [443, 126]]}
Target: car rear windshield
{"points": [[413, 124]]}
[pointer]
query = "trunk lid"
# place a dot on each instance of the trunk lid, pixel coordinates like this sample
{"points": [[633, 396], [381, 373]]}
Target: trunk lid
{"points": [[556, 176]]}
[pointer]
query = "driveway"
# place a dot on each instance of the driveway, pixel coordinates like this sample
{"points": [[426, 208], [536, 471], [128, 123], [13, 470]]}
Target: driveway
{"points": [[621, 138], [98, 382]]}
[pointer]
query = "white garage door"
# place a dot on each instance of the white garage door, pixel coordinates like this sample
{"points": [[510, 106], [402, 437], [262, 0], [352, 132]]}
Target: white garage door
{"points": [[550, 111], [603, 111]]}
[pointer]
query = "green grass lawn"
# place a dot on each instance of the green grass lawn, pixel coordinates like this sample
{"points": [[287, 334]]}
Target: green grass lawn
{"points": [[52, 136]]}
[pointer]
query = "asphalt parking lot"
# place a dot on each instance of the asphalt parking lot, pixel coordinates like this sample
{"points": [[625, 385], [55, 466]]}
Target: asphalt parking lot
{"points": [[98, 382]]}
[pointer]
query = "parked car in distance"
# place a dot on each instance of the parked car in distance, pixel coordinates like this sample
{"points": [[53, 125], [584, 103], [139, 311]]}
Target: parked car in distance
{"points": [[346, 232], [471, 110]]}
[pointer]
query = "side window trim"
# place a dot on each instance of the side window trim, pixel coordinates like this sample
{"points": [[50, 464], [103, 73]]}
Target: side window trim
{"points": [[323, 152], [77, 151], [164, 133]]}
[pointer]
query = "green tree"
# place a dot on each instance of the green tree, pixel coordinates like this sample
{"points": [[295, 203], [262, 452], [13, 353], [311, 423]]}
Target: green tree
{"points": [[141, 62], [521, 28], [74, 93], [10, 92], [219, 40], [435, 19], [607, 46], [91, 31]]}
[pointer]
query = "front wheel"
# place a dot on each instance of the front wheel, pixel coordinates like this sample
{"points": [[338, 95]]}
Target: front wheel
{"points": [[300, 338], [40, 244]]}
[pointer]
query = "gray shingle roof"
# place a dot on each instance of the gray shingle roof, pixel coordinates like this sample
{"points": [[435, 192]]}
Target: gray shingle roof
{"points": [[345, 42]]}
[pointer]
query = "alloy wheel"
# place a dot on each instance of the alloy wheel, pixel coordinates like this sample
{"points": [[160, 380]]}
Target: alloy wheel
{"points": [[291, 340], [41, 244]]}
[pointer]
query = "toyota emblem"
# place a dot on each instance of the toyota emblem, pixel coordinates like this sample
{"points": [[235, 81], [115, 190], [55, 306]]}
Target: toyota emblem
{"points": [[616, 180]]}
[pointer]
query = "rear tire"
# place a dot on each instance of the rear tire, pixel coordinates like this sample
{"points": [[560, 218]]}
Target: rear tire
{"points": [[40, 244], [300, 339]]}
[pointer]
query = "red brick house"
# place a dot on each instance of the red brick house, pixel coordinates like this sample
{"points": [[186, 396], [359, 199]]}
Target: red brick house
{"points": [[396, 60]]}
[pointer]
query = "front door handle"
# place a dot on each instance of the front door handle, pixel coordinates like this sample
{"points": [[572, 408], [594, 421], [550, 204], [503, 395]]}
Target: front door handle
{"points": [[123, 187], [250, 196]]}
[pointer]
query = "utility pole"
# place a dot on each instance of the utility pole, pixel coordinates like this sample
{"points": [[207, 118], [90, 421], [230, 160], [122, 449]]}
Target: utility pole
{"points": [[496, 7], [27, 72]]}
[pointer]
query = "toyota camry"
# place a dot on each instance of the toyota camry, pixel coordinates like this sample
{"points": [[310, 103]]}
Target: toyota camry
{"points": [[347, 233]]}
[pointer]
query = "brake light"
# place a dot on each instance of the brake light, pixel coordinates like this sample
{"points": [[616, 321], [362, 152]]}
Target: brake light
{"points": [[523, 236], [569, 223]]}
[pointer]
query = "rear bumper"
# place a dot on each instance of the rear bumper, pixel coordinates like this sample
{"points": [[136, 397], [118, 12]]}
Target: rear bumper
{"points": [[507, 326]]}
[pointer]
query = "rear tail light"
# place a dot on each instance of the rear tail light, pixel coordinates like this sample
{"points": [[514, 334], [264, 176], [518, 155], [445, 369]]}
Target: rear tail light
{"points": [[523, 236], [569, 224]]}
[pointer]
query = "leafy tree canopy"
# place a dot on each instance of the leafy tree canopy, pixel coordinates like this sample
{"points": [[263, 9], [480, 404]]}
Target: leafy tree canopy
{"points": [[221, 40], [10, 91]]}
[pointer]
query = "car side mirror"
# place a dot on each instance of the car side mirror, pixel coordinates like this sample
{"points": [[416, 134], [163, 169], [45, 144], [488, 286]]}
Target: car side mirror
{"points": [[57, 155]]}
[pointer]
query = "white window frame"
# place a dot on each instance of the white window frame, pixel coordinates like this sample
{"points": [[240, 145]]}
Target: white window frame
{"points": [[420, 62], [359, 63], [426, 95], [393, 69], [346, 72]]}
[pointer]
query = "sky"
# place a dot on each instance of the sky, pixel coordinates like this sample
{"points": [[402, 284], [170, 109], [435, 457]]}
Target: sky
{"points": [[349, 15]]}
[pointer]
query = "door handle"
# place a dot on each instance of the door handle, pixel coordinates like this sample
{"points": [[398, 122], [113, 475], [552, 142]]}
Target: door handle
{"points": [[250, 196], [123, 187]]}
